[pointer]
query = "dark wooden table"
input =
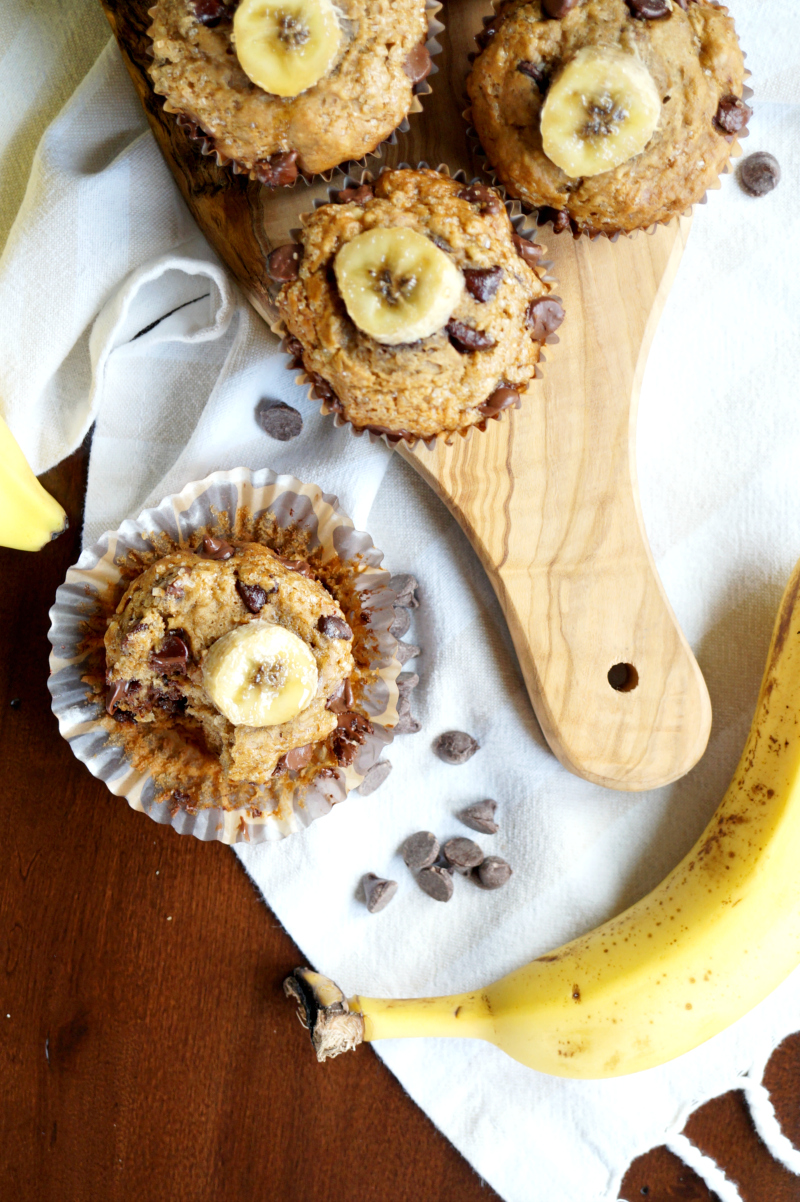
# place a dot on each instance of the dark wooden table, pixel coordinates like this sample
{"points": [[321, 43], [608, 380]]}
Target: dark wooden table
{"points": [[148, 1051]]}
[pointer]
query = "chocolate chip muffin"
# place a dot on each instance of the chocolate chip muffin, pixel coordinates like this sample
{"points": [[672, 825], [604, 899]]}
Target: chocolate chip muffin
{"points": [[413, 306], [281, 86], [240, 651], [608, 115]]}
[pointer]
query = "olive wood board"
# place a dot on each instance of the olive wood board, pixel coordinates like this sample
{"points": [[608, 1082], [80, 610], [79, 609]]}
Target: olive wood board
{"points": [[548, 494]]}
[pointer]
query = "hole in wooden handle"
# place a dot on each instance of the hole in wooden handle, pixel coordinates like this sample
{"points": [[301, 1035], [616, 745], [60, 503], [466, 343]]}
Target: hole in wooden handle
{"points": [[623, 677]]}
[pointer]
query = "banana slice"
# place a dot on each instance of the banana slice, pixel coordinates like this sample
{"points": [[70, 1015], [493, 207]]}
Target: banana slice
{"points": [[285, 46], [397, 286], [260, 675], [599, 112]]}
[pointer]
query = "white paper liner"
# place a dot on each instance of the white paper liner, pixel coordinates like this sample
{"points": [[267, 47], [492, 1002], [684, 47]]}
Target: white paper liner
{"points": [[294, 505]]}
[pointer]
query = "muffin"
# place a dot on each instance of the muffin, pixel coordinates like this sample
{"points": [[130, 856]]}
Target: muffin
{"points": [[608, 115], [412, 304], [281, 86]]}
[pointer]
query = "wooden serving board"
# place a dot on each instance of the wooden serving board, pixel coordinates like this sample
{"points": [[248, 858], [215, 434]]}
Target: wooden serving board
{"points": [[548, 495]]}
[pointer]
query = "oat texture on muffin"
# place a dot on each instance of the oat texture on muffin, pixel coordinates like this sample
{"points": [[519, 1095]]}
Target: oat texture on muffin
{"points": [[608, 115], [287, 85], [413, 305]]}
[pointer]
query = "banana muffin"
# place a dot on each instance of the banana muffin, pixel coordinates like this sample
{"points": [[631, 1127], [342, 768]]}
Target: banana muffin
{"points": [[281, 86], [413, 306], [608, 115]]}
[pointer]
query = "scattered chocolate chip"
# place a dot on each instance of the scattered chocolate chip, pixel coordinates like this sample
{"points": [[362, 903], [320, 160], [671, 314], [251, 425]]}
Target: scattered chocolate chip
{"points": [[374, 778], [216, 548], [480, 817], [406, 651], [649, 10], [114, 695], [359, 195], [297, 565], [463, 854], [341, 699], [15, 703], [378, 892], [406, 683], [538, 72], [557, 9], [485, 198], [560, 218], [420, 850], [483, 282], [529, 252], [436, 882], [502, 398], [175, 590], [210, 12], [333, 627], [278, 171], [401, 622], [732, 115], [123, 716], [350, 734], [172, 657], [455, 747], [405, 586], [253, 596], [283, 264], [279, 420], [493, 872], [466, 338], [543, 317], [298, 757], [418, 64], [759, 173]]}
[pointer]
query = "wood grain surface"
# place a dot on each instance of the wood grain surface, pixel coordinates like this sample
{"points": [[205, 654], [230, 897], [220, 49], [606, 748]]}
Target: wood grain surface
{"points": [[548, 495], [147, 1050]]}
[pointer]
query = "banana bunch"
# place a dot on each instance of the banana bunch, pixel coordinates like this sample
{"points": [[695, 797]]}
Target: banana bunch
{"points": [[29, 516], [709, 943], [286, 46], [260, 674]]}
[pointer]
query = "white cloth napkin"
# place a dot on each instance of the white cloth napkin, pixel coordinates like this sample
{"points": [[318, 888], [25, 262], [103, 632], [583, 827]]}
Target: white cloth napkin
{"points": [[102, 248]]}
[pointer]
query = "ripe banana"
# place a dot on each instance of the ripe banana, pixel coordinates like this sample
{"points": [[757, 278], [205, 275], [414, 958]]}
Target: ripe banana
{"points": [[600, 111], [260, 674], [709, 943], [397, 285], [29, 516], [286, 46]]}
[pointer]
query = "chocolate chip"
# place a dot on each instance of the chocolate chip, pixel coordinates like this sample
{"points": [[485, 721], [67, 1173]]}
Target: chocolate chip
{"points": [[418, 64], [480, 817], [297, 565], [483, 282], [279, 420], [485, 198], [436, 882], [455, 747], [401, 622], [466, 339], [543, 317], [538, 72], [172, 658], [560, 218], [442, 243], [114, 694], [359, 195], [175, 590], [123, 716], [333, 627], [278, 171], [502, 398], [529, 252], [491, 25], [649, 10], [420, 850], [341, 699], [406, 651], [350, 734], [493, 872], [463, 854], [298, 757], [216, 548], [253, 596], [294, 347], [15, 703], [732, 115], [283, 265], [210, 12], [322, 389], [557, 9], [378, 892], [374, 778], [759, 173], [405, 587]]}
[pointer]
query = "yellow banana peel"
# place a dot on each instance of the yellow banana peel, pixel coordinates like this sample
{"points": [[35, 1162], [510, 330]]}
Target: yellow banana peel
{"points": [[29, 516], [719, 933]]}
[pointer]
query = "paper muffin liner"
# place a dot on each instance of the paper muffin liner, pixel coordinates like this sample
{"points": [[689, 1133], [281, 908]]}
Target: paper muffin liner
{"points": [[522, 225], [228, 504], [546, 216], [205, 143]]}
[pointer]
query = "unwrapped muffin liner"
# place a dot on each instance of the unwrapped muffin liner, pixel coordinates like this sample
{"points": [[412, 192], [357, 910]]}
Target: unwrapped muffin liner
{"points": [[205, 505], [522, 225], [206, 145], [539, 220]]}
